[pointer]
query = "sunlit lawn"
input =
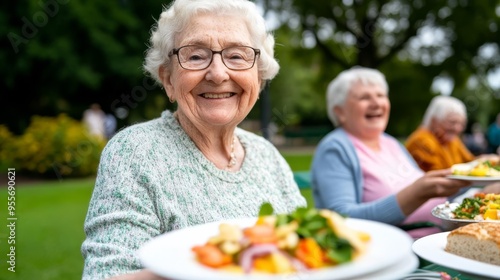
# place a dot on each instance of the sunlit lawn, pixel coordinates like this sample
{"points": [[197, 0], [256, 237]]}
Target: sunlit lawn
{"points": [[301, 162], [48, 230], [49, 226]]}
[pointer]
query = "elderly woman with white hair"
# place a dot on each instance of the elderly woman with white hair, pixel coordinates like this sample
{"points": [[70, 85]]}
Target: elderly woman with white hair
{"points": [[194, 165], [436, 144], [362, 172]]}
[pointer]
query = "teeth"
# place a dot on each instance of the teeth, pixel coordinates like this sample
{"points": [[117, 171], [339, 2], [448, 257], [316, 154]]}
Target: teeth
{"points": [[216, 96]]}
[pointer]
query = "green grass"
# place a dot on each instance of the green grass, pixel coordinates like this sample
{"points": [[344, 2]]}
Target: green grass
{"points": [[49, 230], [49, 226], [299, 162], [308, 196]]}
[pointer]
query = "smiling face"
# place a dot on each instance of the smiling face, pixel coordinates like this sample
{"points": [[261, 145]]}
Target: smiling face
{"points": [[215, 97], [365, 112], [448, 128]]}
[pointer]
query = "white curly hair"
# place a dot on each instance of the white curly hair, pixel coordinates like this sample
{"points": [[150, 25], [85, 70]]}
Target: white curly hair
{"points": [[174, 18], [441, 106], [339, 88]]}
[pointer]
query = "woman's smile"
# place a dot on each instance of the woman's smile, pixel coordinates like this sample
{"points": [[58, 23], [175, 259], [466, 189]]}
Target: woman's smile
{"points": [[374, 116], [217, 95]]}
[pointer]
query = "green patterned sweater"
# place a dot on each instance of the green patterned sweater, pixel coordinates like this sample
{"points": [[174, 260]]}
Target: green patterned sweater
{"points": [[153, 179]]}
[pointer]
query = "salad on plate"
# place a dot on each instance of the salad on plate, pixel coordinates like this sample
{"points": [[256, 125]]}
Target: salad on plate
{"points": [[480, 207], [284, 243], [479, 168]]}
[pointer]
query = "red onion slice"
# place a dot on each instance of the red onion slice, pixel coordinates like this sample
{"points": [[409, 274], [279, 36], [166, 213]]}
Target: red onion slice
{"points": [[252, 252], [248, 255], [296, 264]]}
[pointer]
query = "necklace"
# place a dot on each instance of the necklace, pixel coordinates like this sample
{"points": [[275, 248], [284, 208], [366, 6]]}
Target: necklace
{"points": [[232, 155]]}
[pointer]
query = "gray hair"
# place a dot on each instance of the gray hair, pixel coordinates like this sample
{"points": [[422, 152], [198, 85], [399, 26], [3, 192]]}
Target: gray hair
{"points": [[174, 18], [441, 106], [339, 88]]}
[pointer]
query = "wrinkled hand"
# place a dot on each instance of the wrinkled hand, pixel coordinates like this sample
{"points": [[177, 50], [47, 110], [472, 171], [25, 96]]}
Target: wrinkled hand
{"points": [[432, 184], [492, 188], [435, 184], [140, 275], [490, 157]]}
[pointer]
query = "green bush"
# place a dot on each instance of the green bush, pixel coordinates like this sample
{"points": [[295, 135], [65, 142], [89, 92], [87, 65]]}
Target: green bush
{"points": [[51, 146], [5, 137]]}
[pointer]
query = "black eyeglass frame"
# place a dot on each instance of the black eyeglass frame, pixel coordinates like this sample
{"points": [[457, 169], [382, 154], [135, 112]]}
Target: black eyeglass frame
{"points": [[176, 52]]}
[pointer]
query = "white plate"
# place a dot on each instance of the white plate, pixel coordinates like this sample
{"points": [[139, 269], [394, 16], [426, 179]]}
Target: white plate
{"points": [[445, 212], [475, 180], [396, 271], [448, 222], [169, 255], [431, 248]]}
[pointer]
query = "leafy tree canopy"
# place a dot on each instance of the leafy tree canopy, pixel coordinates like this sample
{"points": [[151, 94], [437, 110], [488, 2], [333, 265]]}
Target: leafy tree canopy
{"points": [[61, 56], [411, 42]]}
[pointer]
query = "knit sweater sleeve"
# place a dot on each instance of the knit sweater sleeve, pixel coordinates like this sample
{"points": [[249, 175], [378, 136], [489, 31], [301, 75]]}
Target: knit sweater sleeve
{"points": [[338, 183], [121, 217]]}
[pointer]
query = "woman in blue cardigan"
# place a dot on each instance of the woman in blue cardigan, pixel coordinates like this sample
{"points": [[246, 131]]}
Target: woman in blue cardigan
{"points": [[362, 172]]}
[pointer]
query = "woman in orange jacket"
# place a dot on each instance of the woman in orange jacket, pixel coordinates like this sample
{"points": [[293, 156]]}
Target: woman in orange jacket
{"points": [[436, 144]]}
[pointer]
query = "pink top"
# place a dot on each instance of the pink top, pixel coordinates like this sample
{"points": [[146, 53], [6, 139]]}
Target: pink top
{"points": [[388, 171]]}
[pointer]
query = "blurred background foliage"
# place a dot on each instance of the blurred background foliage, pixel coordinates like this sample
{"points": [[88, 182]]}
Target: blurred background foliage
{"points": [[60, 56], [418, 45], [53, 147]]}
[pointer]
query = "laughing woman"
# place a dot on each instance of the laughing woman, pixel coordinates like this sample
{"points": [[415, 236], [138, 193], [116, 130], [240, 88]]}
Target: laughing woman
{"points": [[194, 165], [362, 172], [436, 144]]}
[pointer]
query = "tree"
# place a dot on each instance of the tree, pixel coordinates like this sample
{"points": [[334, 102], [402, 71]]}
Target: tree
{"points": [[410, 41], [60, 56]]}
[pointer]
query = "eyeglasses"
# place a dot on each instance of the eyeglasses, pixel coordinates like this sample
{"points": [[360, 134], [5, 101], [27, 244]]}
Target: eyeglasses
{"points": [[198, 58], [457, 123]]}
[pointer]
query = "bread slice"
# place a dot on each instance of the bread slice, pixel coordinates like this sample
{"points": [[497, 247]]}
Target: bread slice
{"points": [[477, 241]]}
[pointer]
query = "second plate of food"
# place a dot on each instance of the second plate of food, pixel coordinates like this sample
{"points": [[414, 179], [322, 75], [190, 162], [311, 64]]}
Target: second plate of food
{"points": [[432, 247]]}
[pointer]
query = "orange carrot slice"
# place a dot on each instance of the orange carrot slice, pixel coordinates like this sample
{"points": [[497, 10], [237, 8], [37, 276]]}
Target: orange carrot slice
{"points": [[211, 255], [260, 234]]}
